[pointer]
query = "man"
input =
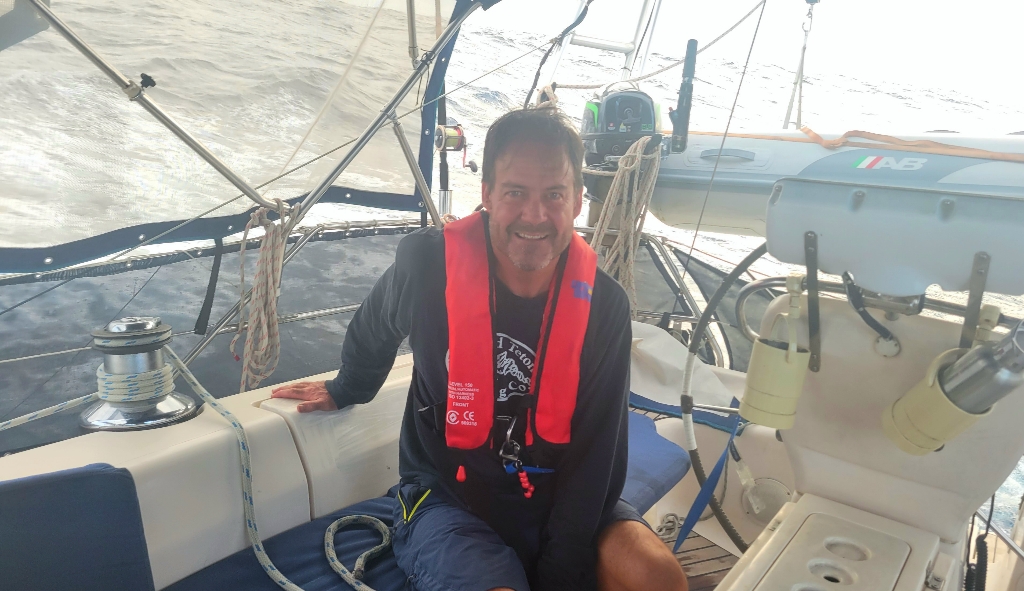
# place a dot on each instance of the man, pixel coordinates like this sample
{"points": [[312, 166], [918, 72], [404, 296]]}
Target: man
{"points": [[513, 444]]}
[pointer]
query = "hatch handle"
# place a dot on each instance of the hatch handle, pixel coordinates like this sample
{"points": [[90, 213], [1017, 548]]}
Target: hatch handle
{"points": [[733, 152]]}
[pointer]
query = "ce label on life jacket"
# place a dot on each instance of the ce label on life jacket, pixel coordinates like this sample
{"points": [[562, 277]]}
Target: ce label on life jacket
{"points": [[468, 416], [461, 395]]}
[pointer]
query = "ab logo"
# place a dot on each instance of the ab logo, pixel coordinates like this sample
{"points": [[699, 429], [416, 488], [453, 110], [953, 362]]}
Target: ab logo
{"points": [[877, 162], [453, 417]]}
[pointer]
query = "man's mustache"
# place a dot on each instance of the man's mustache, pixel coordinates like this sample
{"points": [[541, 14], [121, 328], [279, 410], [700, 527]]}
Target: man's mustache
{"points": [[521, 228]]}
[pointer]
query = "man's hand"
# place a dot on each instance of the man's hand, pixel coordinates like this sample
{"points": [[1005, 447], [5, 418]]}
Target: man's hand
{"points": [[314, 393]]}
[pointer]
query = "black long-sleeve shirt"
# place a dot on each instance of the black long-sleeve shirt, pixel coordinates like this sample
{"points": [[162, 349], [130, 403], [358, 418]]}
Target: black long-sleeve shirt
{"points": [[555, 532]]}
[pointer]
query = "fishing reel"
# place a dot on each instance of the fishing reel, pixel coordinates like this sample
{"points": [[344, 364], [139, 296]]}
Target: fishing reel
{"points": [[452, 138]]}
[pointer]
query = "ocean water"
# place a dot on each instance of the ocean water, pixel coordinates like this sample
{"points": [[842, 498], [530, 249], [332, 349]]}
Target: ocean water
{"points": [[249, 77]]}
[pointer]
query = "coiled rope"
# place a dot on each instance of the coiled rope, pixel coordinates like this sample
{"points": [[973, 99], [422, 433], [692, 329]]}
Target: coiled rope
{"points": [[153, 384], [626, 204], [262, 348]]}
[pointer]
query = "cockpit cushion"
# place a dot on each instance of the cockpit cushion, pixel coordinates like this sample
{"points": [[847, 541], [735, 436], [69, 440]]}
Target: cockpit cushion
{"points": [[299, 554], [73, 529], [655, 464]]}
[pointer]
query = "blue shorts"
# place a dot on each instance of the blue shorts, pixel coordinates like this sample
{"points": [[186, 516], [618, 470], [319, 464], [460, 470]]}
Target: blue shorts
{"points": [[444, 548]]}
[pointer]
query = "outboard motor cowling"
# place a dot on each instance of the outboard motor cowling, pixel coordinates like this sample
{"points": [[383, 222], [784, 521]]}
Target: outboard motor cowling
{"points": [[611, 125]]}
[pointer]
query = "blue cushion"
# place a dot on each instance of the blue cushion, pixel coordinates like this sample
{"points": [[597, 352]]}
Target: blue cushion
{"points": [[74, 529], [655, 464], [299, 554]]}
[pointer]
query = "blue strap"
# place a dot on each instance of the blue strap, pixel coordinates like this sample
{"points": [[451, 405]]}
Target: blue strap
{"points": [[704, 496], [511, 469]]}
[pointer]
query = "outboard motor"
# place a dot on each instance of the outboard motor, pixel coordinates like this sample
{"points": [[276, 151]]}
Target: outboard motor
{"points": [[611, 125]]}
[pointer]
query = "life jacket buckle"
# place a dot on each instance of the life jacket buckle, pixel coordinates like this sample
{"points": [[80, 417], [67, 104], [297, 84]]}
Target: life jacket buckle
{"points": [[509, 451]]}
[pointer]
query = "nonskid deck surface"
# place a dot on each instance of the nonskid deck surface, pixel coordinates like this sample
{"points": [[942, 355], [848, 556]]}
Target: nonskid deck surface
{"points": [[704, 563]]}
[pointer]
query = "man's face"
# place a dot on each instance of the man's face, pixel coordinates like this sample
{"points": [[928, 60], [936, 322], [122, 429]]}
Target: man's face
{"points": [[532, 204]]}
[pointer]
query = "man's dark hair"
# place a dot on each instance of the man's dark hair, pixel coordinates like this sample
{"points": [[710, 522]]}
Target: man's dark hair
{"points": [[544, 125]]}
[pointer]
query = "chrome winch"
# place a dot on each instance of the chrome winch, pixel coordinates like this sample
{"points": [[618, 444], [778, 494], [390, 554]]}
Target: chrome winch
{"points": [[136, 385]]}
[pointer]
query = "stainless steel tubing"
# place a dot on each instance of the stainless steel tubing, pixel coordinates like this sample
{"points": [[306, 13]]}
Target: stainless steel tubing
{"points": [[414, 48], [722, 409], [385, 113], [417, 174], [986, 374], [136, 94], [687, 296], [837, 288], [741, 302]]}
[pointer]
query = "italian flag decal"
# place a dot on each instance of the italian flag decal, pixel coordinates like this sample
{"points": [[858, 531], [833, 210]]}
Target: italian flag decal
{"points": [[867, 162]]}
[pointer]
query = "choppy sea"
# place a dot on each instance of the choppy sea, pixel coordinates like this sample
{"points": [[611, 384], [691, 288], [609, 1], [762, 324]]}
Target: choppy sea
{"points": [[248, 77]]}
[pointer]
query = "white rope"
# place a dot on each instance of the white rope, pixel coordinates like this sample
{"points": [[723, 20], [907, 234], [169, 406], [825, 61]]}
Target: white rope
{"points": [[546, 98], [262, 341], [626, 205], [668, 67]]}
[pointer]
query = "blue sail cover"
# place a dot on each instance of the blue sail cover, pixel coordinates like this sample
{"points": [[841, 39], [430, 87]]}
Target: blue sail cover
{"points": [[46, 229]]}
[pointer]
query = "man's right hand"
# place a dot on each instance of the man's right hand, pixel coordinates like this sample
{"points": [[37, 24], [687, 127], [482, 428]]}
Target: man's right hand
{"points": [[314, 394]]}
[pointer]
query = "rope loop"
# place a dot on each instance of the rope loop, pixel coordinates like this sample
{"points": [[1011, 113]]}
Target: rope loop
{"points": [[258, 315], [356, 574]]}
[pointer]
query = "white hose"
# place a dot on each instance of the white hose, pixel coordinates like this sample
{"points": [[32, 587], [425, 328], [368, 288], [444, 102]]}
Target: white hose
{"points": [[689, 433]]}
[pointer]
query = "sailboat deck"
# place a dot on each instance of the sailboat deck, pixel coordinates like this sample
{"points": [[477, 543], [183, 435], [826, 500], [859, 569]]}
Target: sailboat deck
{"points": [[705, 563]]}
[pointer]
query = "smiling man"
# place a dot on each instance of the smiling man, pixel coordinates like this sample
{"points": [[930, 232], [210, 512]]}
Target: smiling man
{"points": [[513, 445]]}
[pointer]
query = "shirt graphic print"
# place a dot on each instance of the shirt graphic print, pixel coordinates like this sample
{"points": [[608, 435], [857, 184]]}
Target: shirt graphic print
{"points": [[513, 367]]}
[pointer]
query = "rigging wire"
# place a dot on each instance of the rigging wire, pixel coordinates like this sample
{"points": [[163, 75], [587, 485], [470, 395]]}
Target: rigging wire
{"points": [[798, 82], [337, 87], [673, 64], [647, 27], [721, 147], [555, 43], [30, 298]]}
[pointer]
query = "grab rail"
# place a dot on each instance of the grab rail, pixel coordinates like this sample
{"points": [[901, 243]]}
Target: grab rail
{"points": [[899, 305], [729, 152]]}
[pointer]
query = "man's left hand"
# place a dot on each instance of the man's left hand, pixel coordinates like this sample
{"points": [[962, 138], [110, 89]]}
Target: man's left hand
{"points": [[314, 394]]}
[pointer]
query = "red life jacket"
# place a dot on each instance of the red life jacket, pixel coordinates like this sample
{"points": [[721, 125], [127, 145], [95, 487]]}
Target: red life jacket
{"points": [[556, 373]]}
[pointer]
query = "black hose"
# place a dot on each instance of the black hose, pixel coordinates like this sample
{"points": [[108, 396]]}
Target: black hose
{"points": [[971, 578], [981, 563], [687, 401]]}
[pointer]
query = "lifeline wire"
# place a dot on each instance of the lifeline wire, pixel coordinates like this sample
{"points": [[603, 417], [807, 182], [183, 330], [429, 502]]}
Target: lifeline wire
{"points": [[718, 157]]}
